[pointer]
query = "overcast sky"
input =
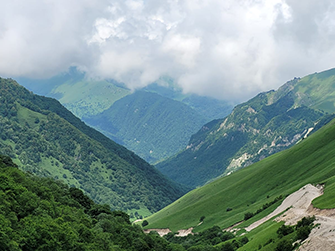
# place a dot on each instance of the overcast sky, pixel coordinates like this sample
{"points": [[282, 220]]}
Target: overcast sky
{"points": [[229, 49]]}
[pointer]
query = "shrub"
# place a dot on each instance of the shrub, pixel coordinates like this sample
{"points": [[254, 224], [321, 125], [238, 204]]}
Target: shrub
{"points": [[248, 215], [303, 233], [284, 245], [284, 230]]}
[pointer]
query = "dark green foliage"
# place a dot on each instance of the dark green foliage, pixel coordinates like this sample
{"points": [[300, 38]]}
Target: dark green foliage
{"points": [[303, 233], [207, 239], [248, 215], [284, 245], [62, 146], [305, 222], [42, 214], [284, 230], [145, 223], [304, 227]]}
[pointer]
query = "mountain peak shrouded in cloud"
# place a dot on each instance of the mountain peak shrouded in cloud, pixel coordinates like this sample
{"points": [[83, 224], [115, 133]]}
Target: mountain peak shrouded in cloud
{"points": [[225, 49]]}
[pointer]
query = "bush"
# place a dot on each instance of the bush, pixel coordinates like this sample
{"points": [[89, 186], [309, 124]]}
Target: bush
{"points": [[306, 221], [284, 245], [248, 215], [145, 223], [284, 230], [303, 233]]}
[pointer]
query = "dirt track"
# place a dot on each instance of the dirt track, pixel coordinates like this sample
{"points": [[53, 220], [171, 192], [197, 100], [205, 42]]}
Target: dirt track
{"points": [[322, 237], [299, 201], [298, 205]]}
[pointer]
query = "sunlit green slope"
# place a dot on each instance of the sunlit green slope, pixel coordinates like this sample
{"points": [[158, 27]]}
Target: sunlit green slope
{"points": [[225, 201], [77, 92]]}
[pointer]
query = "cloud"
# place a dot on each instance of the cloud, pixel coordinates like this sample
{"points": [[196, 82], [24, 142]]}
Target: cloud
{"points": [[225, 49]]}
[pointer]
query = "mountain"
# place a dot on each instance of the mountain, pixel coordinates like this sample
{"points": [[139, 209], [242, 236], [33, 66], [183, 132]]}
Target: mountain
{"points": [[94, 101], [266, 124], [45, 138], [207, 107], [257, 190], [149, 124], [80, 94]]}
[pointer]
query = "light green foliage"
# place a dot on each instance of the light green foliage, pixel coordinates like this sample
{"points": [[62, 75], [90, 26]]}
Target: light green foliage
{"points": [[247, 190], [46, 139]]}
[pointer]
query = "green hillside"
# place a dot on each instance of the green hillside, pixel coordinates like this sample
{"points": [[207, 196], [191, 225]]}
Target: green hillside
{"points": [[43, 214], [227, 200], [151, 125], [266, 124], [44, 138], [77, 92]]}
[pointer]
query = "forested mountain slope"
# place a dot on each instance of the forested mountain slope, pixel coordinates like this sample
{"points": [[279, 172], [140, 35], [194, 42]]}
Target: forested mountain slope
{"points": [[268, 123], [46, 139], [151, 125], [170, 118], [43, 214]]}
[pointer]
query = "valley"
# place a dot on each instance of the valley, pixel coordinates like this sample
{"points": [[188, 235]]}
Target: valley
{"points": [[155, 122], [44, 138], [167, 125], [289, 144]]}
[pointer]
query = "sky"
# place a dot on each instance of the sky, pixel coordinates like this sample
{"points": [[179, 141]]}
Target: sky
{"points": [[231, 49]]}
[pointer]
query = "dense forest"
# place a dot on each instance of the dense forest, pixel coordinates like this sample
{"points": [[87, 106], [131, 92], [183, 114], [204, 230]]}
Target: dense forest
{"points": [[38, 213], [42, 214], [46, 139]]}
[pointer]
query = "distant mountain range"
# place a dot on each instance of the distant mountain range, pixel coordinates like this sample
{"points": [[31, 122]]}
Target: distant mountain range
{"points": [[44, 138], [168, 116], [266, 124]]}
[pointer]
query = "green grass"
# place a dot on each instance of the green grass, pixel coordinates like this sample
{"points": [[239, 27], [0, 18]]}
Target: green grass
{"points": [[143, 211], [87, 98], [319, 88], [30, 117], [311, 161]]}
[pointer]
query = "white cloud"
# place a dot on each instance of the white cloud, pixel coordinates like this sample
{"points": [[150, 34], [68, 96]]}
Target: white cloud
{"points": [[229, 49]]}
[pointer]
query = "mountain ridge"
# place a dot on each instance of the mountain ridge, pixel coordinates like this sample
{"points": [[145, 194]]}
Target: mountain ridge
{"points": [[151, 125], [45, 138], [268, 123]]}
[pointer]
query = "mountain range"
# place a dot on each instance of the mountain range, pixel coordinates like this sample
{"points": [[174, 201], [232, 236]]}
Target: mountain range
{"points": [[44, 138], [171, 116], [268, 123], [281, 140]]}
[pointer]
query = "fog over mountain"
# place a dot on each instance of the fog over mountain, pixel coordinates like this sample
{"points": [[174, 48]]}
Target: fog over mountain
{"points": [[225, 49]]}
